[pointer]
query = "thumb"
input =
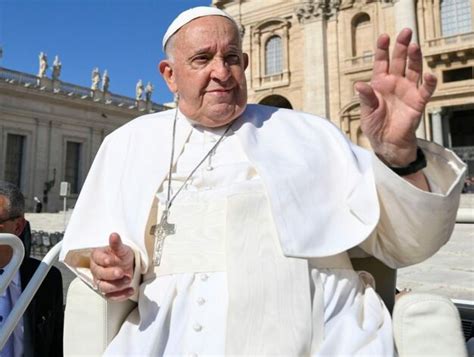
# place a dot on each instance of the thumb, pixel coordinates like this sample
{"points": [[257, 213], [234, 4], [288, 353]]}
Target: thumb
{"points": [[116, 245], [368, 99]]}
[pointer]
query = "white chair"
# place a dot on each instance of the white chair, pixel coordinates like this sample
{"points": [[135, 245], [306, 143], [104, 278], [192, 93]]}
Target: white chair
{"points": [[90, 321], [33, 285], [427, 325]]}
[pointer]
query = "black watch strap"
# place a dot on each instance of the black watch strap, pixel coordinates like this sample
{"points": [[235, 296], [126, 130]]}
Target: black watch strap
{"points": [[413, 167]]}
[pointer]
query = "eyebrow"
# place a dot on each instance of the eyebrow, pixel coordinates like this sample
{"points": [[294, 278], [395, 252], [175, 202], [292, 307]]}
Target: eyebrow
{"points": [[207, 49], [203, 49]]}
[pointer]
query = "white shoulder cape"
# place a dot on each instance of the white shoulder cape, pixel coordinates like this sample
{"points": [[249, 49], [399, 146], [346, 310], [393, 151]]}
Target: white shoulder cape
{"points": [[320, 186]]}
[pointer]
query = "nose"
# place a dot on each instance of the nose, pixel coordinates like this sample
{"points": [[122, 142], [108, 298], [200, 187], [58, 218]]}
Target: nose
{"points": [[220, 70]]}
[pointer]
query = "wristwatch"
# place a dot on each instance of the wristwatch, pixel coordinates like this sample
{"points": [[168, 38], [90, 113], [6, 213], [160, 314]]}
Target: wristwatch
{"points": [[415, 166]]}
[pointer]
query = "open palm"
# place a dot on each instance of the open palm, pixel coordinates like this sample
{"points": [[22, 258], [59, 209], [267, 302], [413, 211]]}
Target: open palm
{"points": [[394, 101]]}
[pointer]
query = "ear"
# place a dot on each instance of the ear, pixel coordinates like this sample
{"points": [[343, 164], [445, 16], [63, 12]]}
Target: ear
{"points": [[246, 61], [20, 224], [166, 69]]}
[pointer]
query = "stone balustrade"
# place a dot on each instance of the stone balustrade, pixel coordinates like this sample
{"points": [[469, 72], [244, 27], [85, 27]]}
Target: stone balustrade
{"points": [[72, 90]]}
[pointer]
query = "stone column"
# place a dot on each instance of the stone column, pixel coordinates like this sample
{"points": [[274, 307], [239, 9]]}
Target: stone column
{"points": [[315, 75], [437, 125], [405, 16], [311, 15], [421, 130]]}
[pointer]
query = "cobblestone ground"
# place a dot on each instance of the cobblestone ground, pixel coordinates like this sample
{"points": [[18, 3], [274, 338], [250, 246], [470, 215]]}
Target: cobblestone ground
{"points": [[449, 272]]}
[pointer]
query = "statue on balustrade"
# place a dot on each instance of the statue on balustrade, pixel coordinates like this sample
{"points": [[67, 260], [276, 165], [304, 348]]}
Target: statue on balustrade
{"points": [[43, 64], [56, 68], [148, 91], [105, 82], [139, 90], [95, 79]]}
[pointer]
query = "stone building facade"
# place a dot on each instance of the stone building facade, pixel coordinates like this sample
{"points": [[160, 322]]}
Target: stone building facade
{"points": [[307, 55], [50, 132]]}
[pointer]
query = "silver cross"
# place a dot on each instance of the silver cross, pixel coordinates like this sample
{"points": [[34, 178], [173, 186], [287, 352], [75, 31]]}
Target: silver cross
{"points": [[161, 231]]}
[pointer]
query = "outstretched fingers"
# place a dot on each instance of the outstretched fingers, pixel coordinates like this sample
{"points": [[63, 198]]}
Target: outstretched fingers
{"points": [[428, 86], [381, 56], [415, 63], [400, 51]]}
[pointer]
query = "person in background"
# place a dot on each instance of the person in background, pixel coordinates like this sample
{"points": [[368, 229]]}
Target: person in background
{"points": [[40, 332], [38, 205]]}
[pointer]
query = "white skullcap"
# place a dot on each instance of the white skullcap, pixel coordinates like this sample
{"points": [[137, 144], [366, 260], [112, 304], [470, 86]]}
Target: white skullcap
{"points": [[191, 14]]}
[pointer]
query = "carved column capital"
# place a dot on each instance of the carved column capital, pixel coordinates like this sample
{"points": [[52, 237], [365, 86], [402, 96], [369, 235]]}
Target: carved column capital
{"points": [[241, 30], [333, 8], [436, 111], [256, 36], [310, 10]]}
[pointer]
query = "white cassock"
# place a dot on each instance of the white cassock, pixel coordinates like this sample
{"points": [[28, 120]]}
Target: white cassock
{"points": [[259, 262]]}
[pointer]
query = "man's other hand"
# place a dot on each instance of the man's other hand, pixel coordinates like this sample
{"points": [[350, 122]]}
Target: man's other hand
{"points": [[112, 269]]}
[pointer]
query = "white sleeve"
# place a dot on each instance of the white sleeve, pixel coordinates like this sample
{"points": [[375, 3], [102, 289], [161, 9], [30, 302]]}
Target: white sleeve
{"points": [[415, 224], [99, 211]]}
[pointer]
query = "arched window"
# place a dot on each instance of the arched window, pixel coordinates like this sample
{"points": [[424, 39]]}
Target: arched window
{"points": [[276, 100], [361, 35], [273, 56], [455, 17]]}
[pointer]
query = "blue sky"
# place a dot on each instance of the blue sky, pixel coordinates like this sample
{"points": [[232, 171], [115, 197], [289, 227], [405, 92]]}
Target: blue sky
{"points": [[122, 36]]}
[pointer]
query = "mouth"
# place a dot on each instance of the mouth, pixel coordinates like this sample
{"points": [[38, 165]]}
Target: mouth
{"points": [[219, 91]]}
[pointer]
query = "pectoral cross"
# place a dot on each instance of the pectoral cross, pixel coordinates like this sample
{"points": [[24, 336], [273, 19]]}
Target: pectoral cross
{"points": [[161, 231]]}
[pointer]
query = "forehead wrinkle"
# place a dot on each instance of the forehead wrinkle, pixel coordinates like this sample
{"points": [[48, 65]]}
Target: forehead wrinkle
{"points": [[210, 48], [214, 31]]}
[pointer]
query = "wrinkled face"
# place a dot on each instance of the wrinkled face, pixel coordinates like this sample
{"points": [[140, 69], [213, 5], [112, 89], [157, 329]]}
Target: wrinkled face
{"points": [[8, 224], [206, 70]]}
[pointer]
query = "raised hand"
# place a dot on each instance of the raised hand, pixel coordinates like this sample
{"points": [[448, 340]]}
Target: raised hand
{"points": [[112, 269], [394, 100]]}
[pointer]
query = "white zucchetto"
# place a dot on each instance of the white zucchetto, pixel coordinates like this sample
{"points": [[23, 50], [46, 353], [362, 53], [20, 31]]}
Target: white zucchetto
{"points": [[191, 14]]}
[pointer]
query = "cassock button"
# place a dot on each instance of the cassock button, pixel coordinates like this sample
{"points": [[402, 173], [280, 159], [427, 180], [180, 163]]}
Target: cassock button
{"points": [[1, 271], [200, 301], [197, 327], [1, 318], [204, 277]]}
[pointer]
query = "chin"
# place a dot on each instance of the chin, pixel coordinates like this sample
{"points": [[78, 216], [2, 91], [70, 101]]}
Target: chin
{"points": [[219, 114], [224, 117], [216, 122]]}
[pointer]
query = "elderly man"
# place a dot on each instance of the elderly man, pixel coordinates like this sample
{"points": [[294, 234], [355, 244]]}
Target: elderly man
{"points": [[40, 332], [237, 219]]}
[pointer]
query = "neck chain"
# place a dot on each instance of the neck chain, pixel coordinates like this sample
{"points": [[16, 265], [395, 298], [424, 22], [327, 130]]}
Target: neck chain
{"points": [[169, 199], [164, 228]]}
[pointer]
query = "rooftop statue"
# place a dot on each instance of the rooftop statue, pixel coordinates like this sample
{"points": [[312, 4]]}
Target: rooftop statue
{"points": [[56, 68], [43, 64], [139, 90], [95, 79], [148, 91], [105, 82]]}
